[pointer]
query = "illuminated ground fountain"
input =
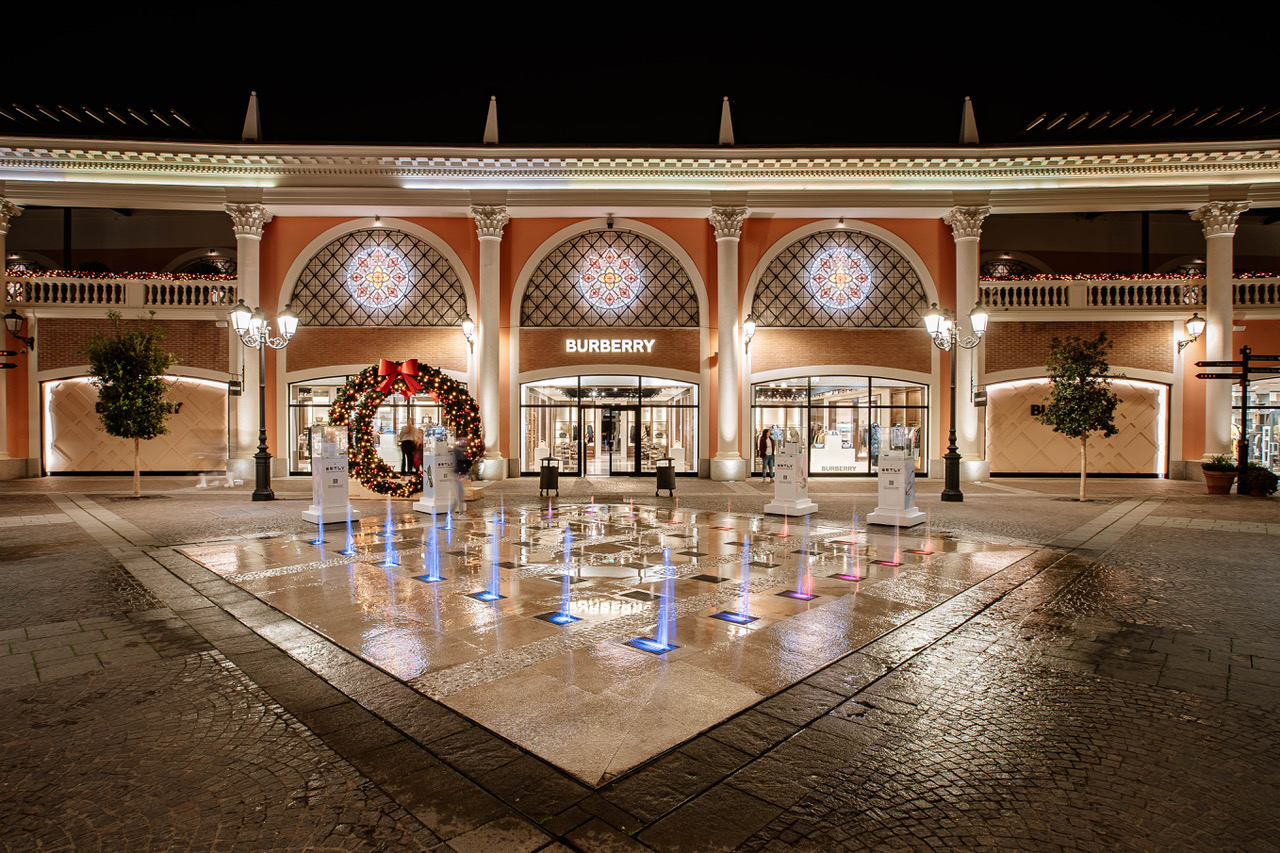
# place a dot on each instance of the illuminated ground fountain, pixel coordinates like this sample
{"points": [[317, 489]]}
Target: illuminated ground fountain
{"points": [[563, 616], [897, 552], [856, 573], [664, 635], [490, 592], [742, 616], [350, 549], [431, 554]]}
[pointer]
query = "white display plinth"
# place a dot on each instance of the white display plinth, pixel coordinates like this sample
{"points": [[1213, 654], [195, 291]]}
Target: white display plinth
{"points": [[897, 480], [439, 483], [791, 482], [330, 484]]}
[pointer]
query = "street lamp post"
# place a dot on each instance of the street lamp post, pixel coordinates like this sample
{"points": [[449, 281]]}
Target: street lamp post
{"points": [[255, 333], [945, 331]]}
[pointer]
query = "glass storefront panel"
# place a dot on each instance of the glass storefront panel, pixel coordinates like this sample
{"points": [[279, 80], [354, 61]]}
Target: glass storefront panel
{"points": [[1263, 432], [847, 420], [614, 425]]}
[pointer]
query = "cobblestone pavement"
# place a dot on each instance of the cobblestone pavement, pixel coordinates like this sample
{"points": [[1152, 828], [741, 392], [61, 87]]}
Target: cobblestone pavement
{"points": [[1119, 689]]}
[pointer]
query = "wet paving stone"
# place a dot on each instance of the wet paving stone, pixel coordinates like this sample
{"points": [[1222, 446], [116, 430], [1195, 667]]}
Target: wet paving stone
{"points": [[90, 764]]}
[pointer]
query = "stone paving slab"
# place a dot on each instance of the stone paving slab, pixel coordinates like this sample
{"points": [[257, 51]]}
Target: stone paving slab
{"points": [[986, 713]]}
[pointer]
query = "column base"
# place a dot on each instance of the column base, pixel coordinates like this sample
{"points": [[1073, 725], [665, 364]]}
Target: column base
{"points": [[729, 466], [492, 468], [18, 469]]}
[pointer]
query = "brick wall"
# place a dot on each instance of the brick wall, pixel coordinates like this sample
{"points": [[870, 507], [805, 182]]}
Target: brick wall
{"points": [[545, 348], [1146, 345], [196, 343], [443, 347], [777, 349]]}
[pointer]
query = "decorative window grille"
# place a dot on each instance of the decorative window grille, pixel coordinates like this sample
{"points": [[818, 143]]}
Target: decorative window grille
{"points": [[650, 289], [431, 294], [791, 290], [209, 265], [1006, 268]]}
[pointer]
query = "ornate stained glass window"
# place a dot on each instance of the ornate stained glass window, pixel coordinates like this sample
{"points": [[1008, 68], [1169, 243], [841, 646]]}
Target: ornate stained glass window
{"points": [[867, 282], [378, 277], [649, 286], [840, 277], [610, 279]]}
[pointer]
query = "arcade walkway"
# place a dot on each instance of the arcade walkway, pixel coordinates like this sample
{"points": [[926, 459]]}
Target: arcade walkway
{"points": [[1111, 681]]}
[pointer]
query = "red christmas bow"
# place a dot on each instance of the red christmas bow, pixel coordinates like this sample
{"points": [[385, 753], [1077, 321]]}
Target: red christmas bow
{"points": [[392, 370]]}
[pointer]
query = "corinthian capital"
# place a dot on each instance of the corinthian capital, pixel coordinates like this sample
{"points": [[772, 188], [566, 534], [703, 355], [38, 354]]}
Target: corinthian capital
{"points": [[8, 211], [248, 220], [490, 221], [727, 222], [1219, 217], [966, 222]]}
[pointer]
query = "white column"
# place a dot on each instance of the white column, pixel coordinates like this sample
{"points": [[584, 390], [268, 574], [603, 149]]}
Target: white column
{"points": [[728, 463], [248, 221], [8, 211], [1219, 220], [966, 229], [489, 224]]}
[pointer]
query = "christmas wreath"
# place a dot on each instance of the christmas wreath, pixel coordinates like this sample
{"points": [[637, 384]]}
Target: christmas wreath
{"points": [[360, 398]]}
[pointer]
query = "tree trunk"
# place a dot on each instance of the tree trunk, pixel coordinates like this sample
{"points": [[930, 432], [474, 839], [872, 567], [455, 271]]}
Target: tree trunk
{"points": [[1084, 470], [137, 475]]}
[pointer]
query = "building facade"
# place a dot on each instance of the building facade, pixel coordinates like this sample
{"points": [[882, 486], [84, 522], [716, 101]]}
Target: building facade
{"points": [[629, 306]]}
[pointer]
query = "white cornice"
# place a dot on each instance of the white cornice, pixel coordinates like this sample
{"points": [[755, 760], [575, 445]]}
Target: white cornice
{"points": [[294, 178]]}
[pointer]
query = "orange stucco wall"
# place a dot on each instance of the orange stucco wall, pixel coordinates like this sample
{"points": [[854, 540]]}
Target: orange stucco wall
{"points": [[1262, 336]]}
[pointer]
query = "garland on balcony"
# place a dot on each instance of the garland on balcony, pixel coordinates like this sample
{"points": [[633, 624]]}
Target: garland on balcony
{"points": [[124, 276], [1145, 276], [358, 401]]}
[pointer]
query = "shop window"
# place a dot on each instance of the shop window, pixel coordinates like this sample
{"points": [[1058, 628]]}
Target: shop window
{"points": [[609, 278], [607, 425], [379, 277], [839, 278], [846, 421]]}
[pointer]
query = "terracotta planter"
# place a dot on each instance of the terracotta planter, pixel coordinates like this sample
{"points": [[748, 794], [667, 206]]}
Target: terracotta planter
{"points": [[1219, 482]]}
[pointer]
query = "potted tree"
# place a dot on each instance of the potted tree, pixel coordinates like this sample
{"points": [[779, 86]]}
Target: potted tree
{"points": [[1080, 400], [1257, 481], [1219, 474], [128, 366]]}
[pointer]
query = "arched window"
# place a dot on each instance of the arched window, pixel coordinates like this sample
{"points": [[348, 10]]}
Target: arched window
{"points": [[220, 264], [609, 278], [1006, 267], [379, 277], [839, 278]]}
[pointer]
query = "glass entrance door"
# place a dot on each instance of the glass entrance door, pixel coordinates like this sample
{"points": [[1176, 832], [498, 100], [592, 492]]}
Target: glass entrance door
{"points": [[620, 426]]}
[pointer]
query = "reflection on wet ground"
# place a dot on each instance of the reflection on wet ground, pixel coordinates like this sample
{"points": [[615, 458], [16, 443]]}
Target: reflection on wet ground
{"points": [[578, 695]]}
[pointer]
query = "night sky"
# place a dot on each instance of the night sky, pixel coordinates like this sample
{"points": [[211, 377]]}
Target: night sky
{"points": [[798, 82]]}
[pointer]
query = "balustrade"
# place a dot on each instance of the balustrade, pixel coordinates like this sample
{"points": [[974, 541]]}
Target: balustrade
{"points": [[121, 292]]}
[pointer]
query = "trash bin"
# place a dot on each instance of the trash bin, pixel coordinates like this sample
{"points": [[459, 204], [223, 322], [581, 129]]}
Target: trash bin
{"points": [[665, 467], [549, 476]]}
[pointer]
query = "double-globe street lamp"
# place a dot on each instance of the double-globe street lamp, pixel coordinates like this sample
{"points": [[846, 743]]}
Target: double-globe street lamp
{"points": [[945, 331], [255, 333]]}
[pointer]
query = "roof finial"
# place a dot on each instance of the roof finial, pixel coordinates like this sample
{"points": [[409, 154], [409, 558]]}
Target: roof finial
{"points": [[252, 121], [726, 124], [968, 124], [491, 123]]}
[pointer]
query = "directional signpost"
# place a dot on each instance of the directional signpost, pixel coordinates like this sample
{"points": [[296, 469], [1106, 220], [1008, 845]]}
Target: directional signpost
{"points": [[1247, 370], [7, 365]]}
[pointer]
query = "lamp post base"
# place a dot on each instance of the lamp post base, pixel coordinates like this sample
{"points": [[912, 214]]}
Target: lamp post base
{"points": [[262, 477]]}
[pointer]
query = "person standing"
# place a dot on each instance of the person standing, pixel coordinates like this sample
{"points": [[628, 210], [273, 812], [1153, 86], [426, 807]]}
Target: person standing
{"points": [[461, 473], [765, 450], [408, 437]]}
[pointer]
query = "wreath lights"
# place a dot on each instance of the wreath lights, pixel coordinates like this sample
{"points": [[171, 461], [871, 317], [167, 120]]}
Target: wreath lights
{"points": [[358, 402]]}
